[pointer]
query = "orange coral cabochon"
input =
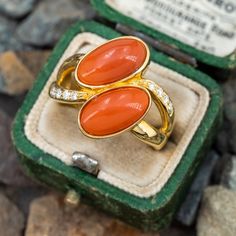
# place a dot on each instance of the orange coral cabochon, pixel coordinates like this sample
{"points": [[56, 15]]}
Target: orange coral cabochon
{"points": [[114, 110], [112, 61]]}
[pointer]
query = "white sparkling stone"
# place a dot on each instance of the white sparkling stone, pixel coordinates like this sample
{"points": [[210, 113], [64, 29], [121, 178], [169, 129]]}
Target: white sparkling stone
{"points": [[53, 92], [166, 99], [151, 86], [66, 95], [160, 92], [58, 93], [74, 96], [170, 109]]}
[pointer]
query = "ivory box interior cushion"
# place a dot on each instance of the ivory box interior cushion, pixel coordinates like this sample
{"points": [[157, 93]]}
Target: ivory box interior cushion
{"points": [[124, 161]]}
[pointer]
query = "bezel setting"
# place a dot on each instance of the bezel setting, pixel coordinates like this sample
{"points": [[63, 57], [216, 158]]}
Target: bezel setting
{"points": [[135, 73], [121, 131]]}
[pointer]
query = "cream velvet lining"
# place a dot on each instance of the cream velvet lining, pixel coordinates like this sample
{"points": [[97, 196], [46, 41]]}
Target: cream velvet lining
{"points": [[125, 162]]}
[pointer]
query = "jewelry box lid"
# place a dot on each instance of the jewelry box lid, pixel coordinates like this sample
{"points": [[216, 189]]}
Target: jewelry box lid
{"points": [[202, 29]]}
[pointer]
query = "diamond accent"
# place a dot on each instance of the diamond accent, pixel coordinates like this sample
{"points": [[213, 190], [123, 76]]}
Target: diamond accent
{"points": [[160, 93], [57, 92], [151, 86], [74, 96], [53, 92], [170, 109], [165, 98], [66, 95]]}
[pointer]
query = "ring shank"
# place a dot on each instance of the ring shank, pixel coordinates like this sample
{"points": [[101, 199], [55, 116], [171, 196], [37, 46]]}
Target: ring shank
{"points": [[153, 136], [64, 78]]}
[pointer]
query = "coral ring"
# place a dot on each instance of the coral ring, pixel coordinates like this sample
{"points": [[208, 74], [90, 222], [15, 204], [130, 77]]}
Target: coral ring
{"points": [[108, 80]]}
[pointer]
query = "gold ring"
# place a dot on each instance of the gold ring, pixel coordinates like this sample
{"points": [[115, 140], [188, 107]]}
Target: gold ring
{"points": [[108, 81]]}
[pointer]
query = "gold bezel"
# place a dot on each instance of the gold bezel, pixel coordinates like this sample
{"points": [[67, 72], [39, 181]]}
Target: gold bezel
{"points": [[154, 136], [119, 132], [140, 70]]}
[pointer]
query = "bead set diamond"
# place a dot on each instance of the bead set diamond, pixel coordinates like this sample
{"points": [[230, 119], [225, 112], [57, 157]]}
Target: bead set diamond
{"points": [[57, 92], [161, 94]]}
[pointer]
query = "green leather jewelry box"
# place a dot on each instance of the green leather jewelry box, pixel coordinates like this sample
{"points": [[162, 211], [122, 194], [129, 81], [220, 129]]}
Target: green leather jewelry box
{"points": [[141, 186]]}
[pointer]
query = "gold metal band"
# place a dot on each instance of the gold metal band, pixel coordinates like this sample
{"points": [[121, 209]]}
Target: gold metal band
{"points": [[66, 90]]}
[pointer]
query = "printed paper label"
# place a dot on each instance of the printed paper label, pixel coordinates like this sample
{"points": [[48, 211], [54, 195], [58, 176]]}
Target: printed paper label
{"points": [[208, 25]]}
